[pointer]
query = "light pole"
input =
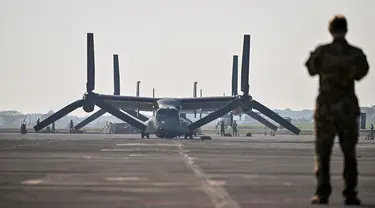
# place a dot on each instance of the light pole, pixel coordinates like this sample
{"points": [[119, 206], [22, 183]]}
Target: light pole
{"points": [[200, 94], [137, 92], [153, 95], [195, 95]]}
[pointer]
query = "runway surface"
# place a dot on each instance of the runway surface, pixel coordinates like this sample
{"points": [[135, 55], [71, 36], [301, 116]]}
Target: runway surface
{"points": [[40, 170]]}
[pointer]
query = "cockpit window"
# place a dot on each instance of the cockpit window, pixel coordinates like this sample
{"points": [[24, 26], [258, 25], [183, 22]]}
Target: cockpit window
{"points": [[166, 112], [162, 112]]}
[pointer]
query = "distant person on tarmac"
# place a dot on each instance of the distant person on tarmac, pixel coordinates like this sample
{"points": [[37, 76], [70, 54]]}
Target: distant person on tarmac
{"points": [[338, 65], [234, 126], [23, 128], [38, 122], [222, 128], [372, 130], [71, 126]]}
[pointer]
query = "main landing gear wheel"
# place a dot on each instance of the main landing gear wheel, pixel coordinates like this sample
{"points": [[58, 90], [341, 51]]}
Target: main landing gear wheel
{"points": [[145, 135]]}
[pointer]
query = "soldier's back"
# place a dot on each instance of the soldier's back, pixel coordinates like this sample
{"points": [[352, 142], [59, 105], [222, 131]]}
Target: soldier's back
{"points": [[338, 68], [340, 64]]}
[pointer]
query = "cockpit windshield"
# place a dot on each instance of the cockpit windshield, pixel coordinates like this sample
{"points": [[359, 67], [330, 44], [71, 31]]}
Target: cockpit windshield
{"points": [[166, 113]]}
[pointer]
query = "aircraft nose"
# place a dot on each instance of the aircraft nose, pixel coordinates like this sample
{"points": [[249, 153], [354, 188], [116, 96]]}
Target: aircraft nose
{"points": [[168, 125]]}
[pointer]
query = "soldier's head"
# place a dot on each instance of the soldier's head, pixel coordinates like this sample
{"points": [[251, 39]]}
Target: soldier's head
{"points": [[338, 26]]}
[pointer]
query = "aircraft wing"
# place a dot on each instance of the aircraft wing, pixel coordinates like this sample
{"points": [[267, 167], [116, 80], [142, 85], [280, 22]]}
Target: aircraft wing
{"points": [[130, 102], [204, 103]]}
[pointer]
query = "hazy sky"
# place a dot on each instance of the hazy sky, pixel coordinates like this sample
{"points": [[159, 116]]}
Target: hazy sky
{"points": [[168, 44]]}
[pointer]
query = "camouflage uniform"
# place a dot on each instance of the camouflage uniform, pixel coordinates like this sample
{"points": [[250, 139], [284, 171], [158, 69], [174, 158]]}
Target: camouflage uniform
{"points": [[338, 65]]}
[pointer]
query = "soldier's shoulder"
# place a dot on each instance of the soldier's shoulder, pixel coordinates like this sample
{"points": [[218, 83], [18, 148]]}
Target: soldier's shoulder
{"points": [[322, 47], [355, 49]]}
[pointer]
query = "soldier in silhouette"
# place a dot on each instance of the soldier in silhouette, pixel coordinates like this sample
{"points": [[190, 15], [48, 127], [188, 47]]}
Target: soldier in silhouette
{"points": [[338, 65]]}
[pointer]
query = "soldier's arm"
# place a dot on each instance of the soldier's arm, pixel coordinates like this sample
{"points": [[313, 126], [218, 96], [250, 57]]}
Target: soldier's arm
{"points": [[361, 65], [313, 63]]}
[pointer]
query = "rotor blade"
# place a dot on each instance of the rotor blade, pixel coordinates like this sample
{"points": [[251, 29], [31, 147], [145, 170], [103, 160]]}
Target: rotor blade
{"points": [[134, 114], [116, 75], [120, 115], [183, 115], [90, 85], [59, 114], [245, 65], [89, 119], [262, 120], [214, 115], [274, 116], [235, 75]]}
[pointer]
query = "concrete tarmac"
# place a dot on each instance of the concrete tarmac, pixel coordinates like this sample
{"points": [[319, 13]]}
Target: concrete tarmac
{"points": [[62, 170]]}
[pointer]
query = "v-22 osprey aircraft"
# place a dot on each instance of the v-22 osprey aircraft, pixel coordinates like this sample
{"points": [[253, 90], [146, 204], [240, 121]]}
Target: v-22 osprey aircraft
{"points": [[167, 121]]}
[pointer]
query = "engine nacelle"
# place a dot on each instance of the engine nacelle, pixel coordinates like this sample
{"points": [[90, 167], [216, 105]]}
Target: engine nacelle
{"points": [[89, 103], [246, 103], [237, 111]]}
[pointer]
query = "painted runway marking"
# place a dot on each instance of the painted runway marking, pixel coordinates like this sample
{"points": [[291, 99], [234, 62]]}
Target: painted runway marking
{"points": [[114, 150], [137, 155], [219, 196], [216, 183], [32, 182], [124, 179], [144, 144], [168, 184]]}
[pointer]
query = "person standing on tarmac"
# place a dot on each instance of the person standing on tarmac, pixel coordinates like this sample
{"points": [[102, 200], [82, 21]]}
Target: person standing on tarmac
{"points": [[234, 127], [222, 128], [38, 122], [338, 65], [71, 126]]}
